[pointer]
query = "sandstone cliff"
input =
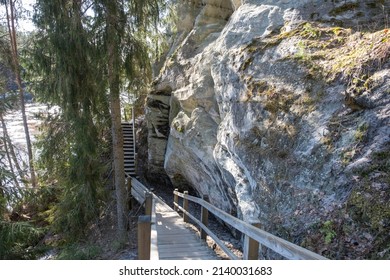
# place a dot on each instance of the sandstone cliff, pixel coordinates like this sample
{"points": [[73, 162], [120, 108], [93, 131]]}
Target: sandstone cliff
{"points": [[279, 111]]}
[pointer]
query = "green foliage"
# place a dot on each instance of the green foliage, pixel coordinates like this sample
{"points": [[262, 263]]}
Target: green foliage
{"points": [[74, 169], [79, 252], [22, 223], [65, 66], [328, 231], [16, 239]]}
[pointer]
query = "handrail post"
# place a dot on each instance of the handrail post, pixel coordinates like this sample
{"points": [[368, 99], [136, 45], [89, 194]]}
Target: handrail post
{"points": [[129, 195], [204, 218], [175, 199], [185, 207], [251, 246], [148, 203], [144, 228], [128, 183]]}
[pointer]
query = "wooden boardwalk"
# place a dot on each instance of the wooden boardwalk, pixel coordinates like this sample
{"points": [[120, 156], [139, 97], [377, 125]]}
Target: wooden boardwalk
{"points": [[163, 235], [175, 240]]}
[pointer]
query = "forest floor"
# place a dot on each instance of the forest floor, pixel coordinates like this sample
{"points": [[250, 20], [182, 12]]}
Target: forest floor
{"points": [[100, 243]]}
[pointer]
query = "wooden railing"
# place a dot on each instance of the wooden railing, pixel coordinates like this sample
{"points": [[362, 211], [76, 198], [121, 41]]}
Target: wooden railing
{"points": [[254, 236], [147, 233]]}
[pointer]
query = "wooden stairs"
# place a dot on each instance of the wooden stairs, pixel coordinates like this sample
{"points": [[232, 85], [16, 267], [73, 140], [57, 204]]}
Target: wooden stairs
{"points": [[129, 149]]}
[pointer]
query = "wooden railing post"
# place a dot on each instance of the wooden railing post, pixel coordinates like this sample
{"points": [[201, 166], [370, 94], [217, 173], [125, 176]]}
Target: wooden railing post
{"points": [[175, 199], [129, 195], [144, 227], [185, 207], [251, 246], [129, 202], [204, 218], [148, 203]]}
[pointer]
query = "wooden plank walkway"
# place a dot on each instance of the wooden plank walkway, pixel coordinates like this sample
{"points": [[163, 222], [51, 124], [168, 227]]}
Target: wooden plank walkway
{"points": [[175, 240], [171, 237]]}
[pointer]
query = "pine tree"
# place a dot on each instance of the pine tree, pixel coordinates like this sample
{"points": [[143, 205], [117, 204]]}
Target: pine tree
{"points": [[81, 56], [66, 75]]}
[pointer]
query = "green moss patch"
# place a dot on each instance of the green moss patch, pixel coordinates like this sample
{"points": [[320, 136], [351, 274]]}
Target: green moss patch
{"points": [[369, 203]]}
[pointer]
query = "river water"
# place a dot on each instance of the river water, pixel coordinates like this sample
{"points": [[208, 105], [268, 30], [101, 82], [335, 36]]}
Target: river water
{"points": [[14, 123]]}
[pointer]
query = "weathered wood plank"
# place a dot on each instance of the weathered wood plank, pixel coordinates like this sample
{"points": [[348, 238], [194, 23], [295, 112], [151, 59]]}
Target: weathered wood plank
{"points": [[185, 254], [213, 236], [177, 238], [170, 238], [176, 242], [181, 235], [167, 248]]}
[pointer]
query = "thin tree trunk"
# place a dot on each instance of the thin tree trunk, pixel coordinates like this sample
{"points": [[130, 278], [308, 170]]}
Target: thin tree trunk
{"points": [[16, 67], [10, 151], [116, 128]]}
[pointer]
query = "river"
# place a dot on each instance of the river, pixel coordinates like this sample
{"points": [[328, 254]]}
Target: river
{"points": [[14, 123]]}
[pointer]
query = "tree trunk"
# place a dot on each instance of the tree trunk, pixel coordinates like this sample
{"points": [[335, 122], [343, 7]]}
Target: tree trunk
{"points": [[113, 44], [16, 68]]}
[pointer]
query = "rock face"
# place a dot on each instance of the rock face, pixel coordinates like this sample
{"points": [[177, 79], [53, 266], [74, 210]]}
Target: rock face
{"points": [[279, 111]]}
